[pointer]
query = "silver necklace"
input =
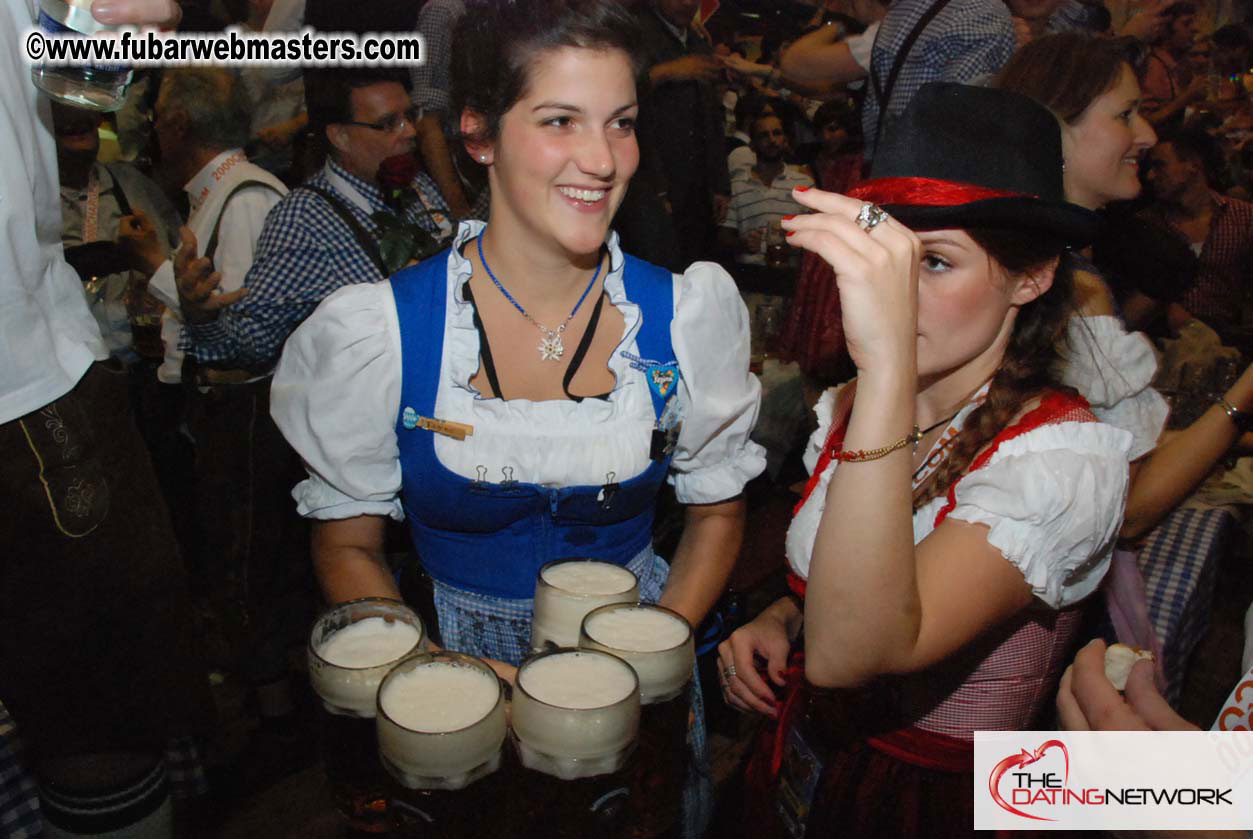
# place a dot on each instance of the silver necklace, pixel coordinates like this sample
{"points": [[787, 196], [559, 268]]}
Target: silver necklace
{"points": [[551, 347]]}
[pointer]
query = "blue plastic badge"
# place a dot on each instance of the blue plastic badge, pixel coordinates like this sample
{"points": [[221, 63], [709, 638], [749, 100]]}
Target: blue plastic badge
{"points": [[409, 418], [662, 378]]}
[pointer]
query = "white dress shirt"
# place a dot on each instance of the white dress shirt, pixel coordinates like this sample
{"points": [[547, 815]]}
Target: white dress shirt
{"points": [[242, 219], [48, 337]]}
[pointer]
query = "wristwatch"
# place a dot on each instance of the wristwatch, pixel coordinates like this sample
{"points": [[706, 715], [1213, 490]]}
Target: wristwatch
{"points": [[1243, 419]]}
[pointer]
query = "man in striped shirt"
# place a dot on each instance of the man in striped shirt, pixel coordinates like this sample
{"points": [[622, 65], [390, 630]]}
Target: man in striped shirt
{"points": [[762, 195]]}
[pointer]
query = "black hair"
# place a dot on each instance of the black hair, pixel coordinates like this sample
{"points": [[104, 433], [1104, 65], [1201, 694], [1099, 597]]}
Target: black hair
{"points": [[748, 107], [1231, 36], [1193, 144], [328, 92], [841, 112], [497, 41], [752, 126]]}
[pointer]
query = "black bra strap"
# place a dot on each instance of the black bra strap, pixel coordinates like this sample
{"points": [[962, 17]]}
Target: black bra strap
{"points": [[580, 352], [485, 349]]}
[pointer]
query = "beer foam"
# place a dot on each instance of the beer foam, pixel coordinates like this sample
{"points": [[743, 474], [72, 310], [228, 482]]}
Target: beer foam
{"points": [[577, 680], [369, 642], [592, 578], [638, 630], [439, 697]]}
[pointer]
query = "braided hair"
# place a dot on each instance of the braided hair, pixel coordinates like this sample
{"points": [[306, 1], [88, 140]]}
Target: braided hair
{"points": [[1031, 359]]}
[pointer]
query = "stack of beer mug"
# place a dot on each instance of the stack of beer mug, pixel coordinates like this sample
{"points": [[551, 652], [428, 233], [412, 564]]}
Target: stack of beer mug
{"points": [[574, 771], [632, 791]]}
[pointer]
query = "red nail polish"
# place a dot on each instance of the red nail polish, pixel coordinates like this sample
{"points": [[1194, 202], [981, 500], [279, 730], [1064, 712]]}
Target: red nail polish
{"points": [[790, 233], [788, 218], [803, 188]]}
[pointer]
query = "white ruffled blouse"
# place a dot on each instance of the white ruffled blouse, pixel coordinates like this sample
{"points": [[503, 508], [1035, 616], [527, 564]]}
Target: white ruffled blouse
{"points": [[1052, 499], [336, 398], [1113, 368]]}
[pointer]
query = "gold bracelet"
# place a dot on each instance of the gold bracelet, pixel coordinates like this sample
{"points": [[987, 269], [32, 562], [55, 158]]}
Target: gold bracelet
{"points": [[858, 455]]}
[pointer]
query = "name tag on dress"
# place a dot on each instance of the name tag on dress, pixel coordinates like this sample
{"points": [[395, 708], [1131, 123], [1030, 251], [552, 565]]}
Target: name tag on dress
{"points": [[411, 419]]}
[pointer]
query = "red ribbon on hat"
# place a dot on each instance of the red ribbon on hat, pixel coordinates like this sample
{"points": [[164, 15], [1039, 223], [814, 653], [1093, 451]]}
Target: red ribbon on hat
{"points": [[927, 192]]}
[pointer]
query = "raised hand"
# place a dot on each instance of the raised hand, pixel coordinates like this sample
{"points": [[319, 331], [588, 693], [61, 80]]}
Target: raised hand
{"points": [[704, 68], [199, 297], [877, 272], [140, 241]]}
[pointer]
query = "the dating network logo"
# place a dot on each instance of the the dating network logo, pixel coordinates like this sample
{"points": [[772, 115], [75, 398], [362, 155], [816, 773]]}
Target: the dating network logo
{"points": [[1028, 787], [1038, 781]]}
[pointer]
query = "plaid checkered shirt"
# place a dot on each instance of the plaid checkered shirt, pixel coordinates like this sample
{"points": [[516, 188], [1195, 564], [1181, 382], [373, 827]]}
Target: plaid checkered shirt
{"points": [[432, 78], [20, 816], [1226, 264], [967, 40], [305, 252]]}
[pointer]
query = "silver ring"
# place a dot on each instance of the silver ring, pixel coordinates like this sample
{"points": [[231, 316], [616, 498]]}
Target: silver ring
{"points": [[871, 216], [729, 672]]}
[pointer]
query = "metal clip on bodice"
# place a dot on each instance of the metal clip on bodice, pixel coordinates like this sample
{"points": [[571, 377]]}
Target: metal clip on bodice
{"points": [[508, 482], [607, 491]]}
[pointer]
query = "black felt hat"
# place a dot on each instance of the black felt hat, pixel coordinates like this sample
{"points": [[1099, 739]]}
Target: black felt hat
{"points": [[961, 156]]}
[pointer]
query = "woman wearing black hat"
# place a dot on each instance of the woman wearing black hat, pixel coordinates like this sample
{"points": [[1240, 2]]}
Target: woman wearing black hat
{"points": [[962, 501]]}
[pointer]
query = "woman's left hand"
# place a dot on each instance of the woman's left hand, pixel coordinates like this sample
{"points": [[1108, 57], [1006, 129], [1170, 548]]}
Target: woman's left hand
{"points": [[877, 272]]}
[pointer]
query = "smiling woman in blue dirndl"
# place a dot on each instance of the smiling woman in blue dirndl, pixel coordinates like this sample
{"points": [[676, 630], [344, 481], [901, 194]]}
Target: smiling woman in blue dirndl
{"points": [[521, 397]]}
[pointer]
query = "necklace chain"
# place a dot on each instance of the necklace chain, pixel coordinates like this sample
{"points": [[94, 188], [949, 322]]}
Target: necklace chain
{"points": [[551, 347], [931, 428]]}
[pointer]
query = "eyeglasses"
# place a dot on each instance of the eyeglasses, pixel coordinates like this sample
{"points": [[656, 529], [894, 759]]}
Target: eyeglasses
{"points": [[392, 123]]}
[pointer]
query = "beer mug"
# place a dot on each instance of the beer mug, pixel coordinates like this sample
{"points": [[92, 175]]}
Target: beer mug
{"points": [[441, 723], [441, 720], [659, 645], [778, 254], [576, 713], [567, 589], [351, 648]]}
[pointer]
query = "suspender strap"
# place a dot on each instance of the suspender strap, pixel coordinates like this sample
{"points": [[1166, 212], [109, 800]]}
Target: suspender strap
{"points": [[883, 92], [119, 194], [367, 242], [212, 247]]}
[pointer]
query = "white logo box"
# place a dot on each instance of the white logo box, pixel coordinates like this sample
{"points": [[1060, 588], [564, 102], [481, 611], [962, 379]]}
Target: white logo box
{"points": [[1113, 780]]}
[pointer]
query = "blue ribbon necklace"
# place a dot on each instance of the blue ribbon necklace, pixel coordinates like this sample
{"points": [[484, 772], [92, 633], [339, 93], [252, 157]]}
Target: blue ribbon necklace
{"points": [[550, 346]]}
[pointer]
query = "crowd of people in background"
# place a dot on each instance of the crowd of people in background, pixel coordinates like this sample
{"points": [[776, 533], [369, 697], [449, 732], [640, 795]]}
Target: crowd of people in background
{"points": [[209, 218]]}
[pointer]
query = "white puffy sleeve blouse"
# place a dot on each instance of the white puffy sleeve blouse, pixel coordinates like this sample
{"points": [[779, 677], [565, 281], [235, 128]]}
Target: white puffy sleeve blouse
{"points": [[337, 390], [1052, 499], [1113, 368]]}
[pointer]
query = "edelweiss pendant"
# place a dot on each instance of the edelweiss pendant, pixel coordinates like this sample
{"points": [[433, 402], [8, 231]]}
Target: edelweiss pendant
{"points": [[551, 348]]}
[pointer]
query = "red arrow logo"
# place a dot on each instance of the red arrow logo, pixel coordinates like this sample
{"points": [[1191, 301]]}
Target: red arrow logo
{"points": [[1025, 758]]}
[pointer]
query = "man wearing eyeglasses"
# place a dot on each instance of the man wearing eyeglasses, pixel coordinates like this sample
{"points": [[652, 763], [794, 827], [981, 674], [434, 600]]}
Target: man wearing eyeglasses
{"points": [[320, 237]]}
